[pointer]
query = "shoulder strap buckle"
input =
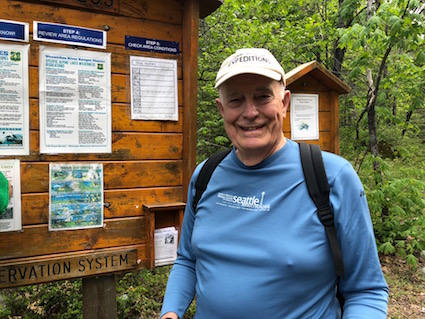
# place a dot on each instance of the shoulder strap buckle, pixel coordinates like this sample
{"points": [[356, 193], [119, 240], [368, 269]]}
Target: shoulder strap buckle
{"points": [[326, 216]]}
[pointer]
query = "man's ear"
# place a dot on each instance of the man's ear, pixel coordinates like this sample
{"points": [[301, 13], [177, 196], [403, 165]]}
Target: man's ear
{"points": [[285, 101], [219, 106]]}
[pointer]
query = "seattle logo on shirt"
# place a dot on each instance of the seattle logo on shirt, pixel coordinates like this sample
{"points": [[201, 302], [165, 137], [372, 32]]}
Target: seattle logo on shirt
{"points": [[253, 203]]}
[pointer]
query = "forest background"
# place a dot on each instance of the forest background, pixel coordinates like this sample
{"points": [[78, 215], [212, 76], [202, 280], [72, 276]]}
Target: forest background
{"points": [[377, 47]]}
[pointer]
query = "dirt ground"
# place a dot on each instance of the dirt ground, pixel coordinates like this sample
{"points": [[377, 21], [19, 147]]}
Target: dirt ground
{"points": [[407, 288]]}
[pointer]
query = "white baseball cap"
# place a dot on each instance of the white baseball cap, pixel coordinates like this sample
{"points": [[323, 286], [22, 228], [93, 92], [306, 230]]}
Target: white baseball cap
{"points": [[252, 60]]}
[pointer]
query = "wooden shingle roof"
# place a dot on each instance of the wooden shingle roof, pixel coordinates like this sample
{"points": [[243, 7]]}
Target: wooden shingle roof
{"points": [[319, 72]]}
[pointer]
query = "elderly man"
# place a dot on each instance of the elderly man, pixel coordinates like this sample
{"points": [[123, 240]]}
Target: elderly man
{"points": [[270, 257]]}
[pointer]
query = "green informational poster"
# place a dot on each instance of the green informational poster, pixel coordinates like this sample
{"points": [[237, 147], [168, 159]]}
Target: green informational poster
{"points": [[10, 218], [76, 196]]}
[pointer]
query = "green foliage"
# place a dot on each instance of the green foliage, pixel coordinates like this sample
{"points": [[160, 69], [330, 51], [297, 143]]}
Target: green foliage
{"points": [[397, 208], [58, 300], [139, 296], [389, 43], [397, 204]]}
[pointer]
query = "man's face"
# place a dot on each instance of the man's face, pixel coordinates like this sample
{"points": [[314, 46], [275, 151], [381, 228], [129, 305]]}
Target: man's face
{"points": [[253, 110]]}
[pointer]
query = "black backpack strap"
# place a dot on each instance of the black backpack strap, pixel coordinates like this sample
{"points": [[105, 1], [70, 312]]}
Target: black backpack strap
{"points": [[318, 188], [205, 175]]}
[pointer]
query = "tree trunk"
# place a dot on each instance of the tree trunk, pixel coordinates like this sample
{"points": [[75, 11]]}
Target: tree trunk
{"points": [[338, 52], [338, 59], [395, 106], [373, 140], [408, 117], [371, 123]]}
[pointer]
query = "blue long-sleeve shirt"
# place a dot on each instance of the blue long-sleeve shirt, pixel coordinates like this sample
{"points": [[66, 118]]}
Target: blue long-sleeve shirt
{"points": [[257, 249]]}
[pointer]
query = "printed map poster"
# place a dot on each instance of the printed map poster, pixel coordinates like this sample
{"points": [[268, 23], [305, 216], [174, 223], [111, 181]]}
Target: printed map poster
{"points": [[76, 196], [10, 219], [14, 99], [154, 94], [304, 113], [75, 101]]}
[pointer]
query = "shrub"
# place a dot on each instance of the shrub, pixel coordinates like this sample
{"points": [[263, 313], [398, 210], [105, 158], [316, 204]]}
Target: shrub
{"points": [[58, 300], [139, 295]]}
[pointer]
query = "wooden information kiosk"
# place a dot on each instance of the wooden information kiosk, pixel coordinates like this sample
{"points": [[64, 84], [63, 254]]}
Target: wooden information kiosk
{"points": [[150, 161], [314, 78]]}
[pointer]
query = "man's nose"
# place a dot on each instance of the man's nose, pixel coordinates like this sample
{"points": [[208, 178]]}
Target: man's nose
{"points": [[251, 109]]}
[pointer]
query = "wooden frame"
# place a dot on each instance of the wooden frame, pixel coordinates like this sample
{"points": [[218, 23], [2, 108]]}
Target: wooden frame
{"points": [[312, 77]]}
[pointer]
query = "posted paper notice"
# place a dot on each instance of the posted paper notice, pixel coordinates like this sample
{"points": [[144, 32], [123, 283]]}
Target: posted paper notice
{"points": [[153, 89], [304, 116], [165, 246], [75, 101], [14, 100]]}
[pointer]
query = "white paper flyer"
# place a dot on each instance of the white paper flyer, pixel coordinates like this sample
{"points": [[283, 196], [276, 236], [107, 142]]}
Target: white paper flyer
{"points": [[76, 196], [75, 101], [304, 113], [10, 219], [165, 246], [14, 100], [154, 94]]}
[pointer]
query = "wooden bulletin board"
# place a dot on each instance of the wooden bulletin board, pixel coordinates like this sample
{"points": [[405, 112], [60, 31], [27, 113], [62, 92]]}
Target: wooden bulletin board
{"points": [[151, 161]]}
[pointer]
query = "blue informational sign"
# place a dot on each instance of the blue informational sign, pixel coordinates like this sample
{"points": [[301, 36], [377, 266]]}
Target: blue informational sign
{"points": [[12, 30], [152, 45], [62, 33]]}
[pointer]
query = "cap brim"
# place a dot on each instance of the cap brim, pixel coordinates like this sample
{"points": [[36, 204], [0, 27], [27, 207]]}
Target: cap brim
{"points": [[259, 71]]}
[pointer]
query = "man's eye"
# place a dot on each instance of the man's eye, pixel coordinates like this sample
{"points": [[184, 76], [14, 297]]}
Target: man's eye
{"points": [[264, 97], [235, 100]]}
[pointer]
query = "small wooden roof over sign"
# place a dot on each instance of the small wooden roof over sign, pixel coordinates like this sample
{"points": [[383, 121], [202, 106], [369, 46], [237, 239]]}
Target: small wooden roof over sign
{"points": [[206, 7], [320, 73]]}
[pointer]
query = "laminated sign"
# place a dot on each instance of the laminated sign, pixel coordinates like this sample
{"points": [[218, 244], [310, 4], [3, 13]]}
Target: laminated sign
{"points": [[75, 101]]}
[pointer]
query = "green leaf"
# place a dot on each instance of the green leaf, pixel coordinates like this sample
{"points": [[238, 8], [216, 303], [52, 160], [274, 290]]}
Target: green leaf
{"points": [[375, 22], [387, 248], [412, 261], [420, 58]]}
